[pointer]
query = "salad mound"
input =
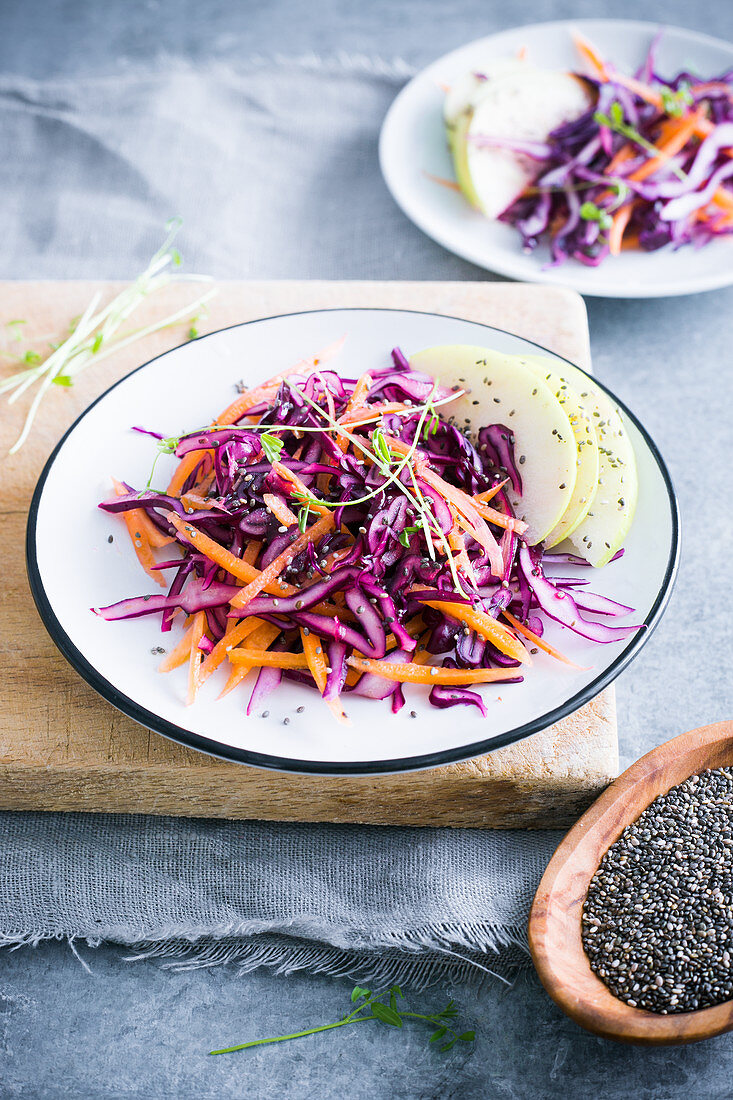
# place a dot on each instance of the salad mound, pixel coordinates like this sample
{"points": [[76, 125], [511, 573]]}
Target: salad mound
{"points": [[347, 534], [596, 162]]}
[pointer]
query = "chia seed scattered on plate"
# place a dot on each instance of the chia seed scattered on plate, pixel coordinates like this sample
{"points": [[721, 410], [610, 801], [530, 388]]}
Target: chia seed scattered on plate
{"points": [[658, 918]]}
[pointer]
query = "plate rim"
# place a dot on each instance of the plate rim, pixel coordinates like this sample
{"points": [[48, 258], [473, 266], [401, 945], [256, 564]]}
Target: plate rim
{"points": [[289, 765], [513, 270]]}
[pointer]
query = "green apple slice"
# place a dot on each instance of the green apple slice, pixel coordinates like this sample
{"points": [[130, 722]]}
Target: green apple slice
{"points": [[586, 481], [519, 106], [604, 529], [458, 108], [502, 390]]}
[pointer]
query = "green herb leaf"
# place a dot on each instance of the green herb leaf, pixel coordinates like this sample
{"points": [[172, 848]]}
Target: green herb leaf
{"points": [[302, 524], [404, 539], [62, 380], [272, 446], [193, 332], [614, 120], [675, 102], [97, 343], [589, 212], [386, 1014], [381, 447], [370, 1007], [31, 357]]}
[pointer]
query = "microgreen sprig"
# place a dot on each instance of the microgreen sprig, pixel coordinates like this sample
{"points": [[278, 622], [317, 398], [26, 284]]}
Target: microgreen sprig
{"points": [[615, 121], [92, 336], [382, 457], [272, 446], [589, 212], [675, 102], [385, 1008]]}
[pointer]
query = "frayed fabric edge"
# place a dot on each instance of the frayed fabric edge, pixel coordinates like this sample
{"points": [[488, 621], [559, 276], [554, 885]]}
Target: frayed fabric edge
{"points": [[420, 960]]}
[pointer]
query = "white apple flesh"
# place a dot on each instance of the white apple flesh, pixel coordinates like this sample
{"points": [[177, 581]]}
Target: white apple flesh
{"points": [[502, 390], [603, 530], [586, 481], [522, 105]]}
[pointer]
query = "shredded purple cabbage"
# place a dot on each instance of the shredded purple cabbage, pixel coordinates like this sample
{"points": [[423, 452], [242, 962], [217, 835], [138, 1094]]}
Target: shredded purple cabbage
{"points": [[377, 571], [579, 188]]}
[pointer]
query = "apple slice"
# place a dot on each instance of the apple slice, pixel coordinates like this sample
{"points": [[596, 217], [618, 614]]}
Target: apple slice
{"points": [[603, 530], [502, 390], [523, 106], [458, 108], [586, 481]]}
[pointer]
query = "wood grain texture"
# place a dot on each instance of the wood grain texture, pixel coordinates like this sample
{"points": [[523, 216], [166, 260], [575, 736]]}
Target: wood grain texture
{"points": [[555, 924], [62, 747]]}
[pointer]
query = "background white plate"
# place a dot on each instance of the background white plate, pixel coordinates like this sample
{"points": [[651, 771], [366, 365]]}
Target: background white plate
{"points": [[72, 566], [412, 143]]}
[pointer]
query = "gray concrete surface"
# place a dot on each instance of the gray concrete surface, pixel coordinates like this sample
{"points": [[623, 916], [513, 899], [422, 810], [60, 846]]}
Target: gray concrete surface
{"points": [[136, 1030]]}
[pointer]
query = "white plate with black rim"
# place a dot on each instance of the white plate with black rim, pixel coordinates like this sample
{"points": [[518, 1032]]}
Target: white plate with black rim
{"points": [[188, 386], [413, 152]]}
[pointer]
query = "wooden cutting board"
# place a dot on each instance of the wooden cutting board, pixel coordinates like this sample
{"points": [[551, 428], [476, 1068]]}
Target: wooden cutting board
{"points": [[64, 748]]}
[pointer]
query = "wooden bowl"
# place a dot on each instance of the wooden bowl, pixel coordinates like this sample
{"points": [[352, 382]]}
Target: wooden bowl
{"points": [[555, 920]]}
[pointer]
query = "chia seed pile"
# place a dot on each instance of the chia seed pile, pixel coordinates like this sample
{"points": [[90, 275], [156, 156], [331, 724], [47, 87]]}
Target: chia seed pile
{"points": [[658, 918]]}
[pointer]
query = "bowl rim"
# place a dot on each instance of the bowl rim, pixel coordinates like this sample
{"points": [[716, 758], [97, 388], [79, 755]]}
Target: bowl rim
{"points": [[156, 723]]}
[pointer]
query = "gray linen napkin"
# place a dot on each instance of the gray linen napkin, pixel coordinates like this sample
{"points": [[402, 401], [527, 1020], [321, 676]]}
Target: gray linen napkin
{"points": [[274, 169], [379, 904]]}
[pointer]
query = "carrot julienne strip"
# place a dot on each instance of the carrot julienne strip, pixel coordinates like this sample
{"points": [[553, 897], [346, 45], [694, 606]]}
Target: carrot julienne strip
{"points": [[280, 509], [143, 522], [675, 135], [252, 552], [300, 487], [540, 642], [275, 568], [179, 654], [196, 657], [487, 627], [212, 550], [313, 650], [484, 498], [616, 233], [252, 657], [261, 638], [141, 546], [243, 571], [248, 400], [411, 673], [238, 632]]}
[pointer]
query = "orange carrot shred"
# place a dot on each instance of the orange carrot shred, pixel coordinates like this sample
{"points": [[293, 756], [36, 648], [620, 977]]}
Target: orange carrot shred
{"points": [[253, 657], [140, 544], [280, 509], [179, 654], [412, 673], [487, 627], [196, 657], [275, 568], [539, 642], [616, 233], [142, 520], [252, 552], [234, 635]]}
